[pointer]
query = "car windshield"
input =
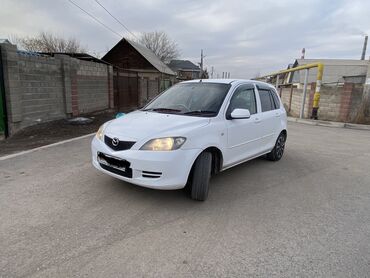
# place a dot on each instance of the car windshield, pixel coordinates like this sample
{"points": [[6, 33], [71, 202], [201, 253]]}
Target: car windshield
{"points": [[192, 99]]}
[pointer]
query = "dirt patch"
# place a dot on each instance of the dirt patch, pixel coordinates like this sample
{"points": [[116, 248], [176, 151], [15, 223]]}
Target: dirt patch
{"points": [[51, 132]]}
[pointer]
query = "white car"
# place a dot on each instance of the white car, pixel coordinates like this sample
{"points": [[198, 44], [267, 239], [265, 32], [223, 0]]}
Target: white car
{"points": [[191, 131]]}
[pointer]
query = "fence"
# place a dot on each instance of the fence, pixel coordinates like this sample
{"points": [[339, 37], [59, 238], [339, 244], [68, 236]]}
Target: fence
{"points": [[41, 88], [338, 101], [3, 116], [133, 89], [126, 89]]}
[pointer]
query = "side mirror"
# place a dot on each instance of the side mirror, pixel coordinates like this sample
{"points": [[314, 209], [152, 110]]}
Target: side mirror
{"points": [[240, 114]]}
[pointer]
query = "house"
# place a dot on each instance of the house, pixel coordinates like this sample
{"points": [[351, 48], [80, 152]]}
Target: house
{"points": [[139, 75], [334, 70], [185, 70]]}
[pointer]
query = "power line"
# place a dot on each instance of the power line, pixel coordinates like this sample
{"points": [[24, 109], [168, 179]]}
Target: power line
{"points": [[97, 20], [123, 25]]}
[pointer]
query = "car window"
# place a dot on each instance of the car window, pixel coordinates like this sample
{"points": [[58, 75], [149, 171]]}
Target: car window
{"points": [[275, 99], [266, 100], [243, 98]]}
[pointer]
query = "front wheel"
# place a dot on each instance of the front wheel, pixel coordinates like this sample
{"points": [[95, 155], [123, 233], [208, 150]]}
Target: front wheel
{"points": [[200, 176], [278, 150]]}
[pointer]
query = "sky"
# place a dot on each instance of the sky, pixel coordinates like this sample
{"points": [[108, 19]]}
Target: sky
{"points": [[245, 38]]}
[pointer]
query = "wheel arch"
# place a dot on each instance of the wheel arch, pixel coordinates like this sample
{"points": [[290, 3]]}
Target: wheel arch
{"points": [[217, 158], [285, 132], [217, 162]]}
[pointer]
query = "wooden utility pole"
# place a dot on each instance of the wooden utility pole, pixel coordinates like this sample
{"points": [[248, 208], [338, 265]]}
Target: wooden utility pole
{"points": [[201, 63]]}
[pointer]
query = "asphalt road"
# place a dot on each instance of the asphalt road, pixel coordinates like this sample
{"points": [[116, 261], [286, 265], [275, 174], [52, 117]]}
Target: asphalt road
{"points": [[307, 215]]}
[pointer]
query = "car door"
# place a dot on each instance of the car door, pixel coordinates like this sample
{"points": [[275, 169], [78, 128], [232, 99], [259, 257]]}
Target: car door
{"points": [[278, 113], [243, 135], [270, 116]]}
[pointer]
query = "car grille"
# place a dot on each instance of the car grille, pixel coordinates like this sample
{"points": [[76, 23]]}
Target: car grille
{"points": [[122, 145]]}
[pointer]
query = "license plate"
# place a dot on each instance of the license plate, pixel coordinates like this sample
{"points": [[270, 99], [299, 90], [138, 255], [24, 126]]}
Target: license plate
{"points": [[111, 161]]}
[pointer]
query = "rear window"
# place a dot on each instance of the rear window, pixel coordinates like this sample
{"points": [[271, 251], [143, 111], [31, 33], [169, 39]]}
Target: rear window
{"points": [[275, 99]]}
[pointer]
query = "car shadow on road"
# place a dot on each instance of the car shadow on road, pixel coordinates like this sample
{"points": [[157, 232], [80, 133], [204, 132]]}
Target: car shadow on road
{"points": [[228, 184], [135, 191]]}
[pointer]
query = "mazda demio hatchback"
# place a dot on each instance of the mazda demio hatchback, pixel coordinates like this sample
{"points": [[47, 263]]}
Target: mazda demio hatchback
{"points": [[191, 131]]}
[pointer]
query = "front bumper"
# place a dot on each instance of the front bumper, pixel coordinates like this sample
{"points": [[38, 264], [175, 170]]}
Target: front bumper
{"points": [[153, 169]]}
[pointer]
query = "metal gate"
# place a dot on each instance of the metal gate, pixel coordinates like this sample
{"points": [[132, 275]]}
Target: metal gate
{"points": [[126, 90], [3, 117]]}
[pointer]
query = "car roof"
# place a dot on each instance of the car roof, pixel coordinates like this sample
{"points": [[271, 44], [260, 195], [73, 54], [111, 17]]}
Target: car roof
{"points": [[229, 81]]}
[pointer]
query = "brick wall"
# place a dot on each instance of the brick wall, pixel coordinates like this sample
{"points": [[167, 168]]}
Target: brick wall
{"points": [[42, 88]]}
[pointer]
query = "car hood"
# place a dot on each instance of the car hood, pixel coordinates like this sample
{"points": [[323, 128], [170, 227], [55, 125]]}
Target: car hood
{"points": [[140, 125]]}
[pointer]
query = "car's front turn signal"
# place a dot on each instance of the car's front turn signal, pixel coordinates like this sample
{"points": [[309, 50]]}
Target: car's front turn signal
{"points": [[164, 144]]}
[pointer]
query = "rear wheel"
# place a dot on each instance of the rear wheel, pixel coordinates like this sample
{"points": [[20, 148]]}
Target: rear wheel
{"points": [[200, 176], [278, 150]]}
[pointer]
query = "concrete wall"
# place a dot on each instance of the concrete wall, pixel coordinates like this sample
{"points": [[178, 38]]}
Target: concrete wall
{"points": [[330, 102], [42, 88], [337, 102], [292, 100], [92, 84]]}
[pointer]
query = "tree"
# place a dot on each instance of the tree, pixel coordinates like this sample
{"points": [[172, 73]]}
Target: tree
{"points": [[47, 42], [162, 46]]}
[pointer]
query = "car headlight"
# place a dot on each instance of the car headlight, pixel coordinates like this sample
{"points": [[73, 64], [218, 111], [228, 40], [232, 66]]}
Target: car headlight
{"points": [[164, 144], [100, 133]]}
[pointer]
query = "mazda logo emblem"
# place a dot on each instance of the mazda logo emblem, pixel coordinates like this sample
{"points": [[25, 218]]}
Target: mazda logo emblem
{"points": [[115, 141]]}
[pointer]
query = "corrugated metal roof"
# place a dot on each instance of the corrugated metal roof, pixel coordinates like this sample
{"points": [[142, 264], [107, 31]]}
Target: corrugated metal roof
{"points": [[4, 41], [28, 53], [151, 57], [80, 56], [333, 62], [183, 65]]}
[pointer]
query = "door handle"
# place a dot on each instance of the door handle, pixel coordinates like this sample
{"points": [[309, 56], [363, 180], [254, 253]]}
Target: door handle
{"points": [[277, 114], [257, 120]]}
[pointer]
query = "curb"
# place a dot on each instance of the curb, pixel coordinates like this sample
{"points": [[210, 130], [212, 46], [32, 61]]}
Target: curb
{"points": [[329, 124], [5, 157], [357, 126]]}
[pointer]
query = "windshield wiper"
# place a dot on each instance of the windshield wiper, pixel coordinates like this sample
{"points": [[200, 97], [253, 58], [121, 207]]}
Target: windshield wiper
{"points": [[200, 112], [162, 109]]}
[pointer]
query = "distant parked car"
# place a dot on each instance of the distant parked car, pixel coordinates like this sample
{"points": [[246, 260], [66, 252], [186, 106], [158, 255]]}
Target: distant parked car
{"points": [[191, 131]]}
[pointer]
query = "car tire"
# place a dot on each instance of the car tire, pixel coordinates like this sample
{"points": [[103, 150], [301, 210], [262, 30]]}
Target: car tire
{"points": [[278, 150], [201, 175]]}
